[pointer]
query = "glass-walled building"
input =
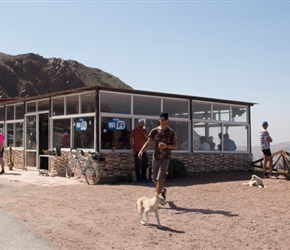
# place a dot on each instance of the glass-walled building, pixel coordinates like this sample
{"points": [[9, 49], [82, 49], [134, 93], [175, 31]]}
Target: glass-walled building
{"points": [[212, 134]]}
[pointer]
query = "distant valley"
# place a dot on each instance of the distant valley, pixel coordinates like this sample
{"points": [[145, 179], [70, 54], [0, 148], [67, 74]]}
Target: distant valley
{"points": [[257, 154]]}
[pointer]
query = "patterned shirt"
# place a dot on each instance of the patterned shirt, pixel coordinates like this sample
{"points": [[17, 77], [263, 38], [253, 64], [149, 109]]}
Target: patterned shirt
{"points": [[167, 136], [264, 134]]}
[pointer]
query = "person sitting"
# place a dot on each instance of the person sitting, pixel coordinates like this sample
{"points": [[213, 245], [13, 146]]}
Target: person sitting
{"points": [[204, 145], [229, 145], [211, 143]]}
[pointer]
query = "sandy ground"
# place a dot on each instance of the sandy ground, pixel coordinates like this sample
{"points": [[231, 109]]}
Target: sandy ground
{"points": [[205, 211]]}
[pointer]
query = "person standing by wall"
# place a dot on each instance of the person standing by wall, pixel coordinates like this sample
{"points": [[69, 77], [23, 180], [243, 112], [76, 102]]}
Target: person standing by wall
{"points": [[164, 138], [265, 140], [2, 139], [65, 138], [137, 139]]}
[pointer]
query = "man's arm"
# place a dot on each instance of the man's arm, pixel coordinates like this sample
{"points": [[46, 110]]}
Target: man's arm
{"points": [[144, 148]]}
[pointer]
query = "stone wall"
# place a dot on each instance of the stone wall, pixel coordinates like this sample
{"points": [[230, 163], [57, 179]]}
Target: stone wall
{"points": [[121, 165]]}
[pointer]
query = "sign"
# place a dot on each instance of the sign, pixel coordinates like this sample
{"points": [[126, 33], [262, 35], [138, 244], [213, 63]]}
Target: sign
{"points": [[81, 125], [115, 124]]}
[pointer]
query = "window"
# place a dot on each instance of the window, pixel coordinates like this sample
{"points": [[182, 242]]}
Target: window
{"points": [[43, 105], [58, 106], [15, 134], [115, 133], [181, 130], [146, 105], [61, 133], [2, 117], [115, 103], [19, 114], [10, 112], [221, 112], [206, 134], [83, 132], [239, 113], [176, 107], [201, 110], [72, 104], [31, 107], [88, 102], [237, 134]]}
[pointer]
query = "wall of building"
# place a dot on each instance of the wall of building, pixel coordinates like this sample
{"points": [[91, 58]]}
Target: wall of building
{"points": [[121, 165]]}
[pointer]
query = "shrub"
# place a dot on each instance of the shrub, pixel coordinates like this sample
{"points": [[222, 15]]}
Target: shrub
{"points": [[179, 169]]}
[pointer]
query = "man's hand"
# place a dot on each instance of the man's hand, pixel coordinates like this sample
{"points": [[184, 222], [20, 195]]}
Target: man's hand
{"points": [[162, 146], [140, 155]]}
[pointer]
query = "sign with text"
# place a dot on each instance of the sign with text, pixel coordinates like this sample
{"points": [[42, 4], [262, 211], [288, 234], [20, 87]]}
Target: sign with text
{"points": [[81, 125], [115, 124]]}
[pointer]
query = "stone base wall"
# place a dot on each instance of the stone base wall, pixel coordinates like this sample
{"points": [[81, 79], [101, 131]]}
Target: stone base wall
{"points": [[121, 165]]}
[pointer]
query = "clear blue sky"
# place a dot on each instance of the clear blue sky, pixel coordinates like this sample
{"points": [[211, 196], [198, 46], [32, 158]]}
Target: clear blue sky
{"points": [[236, 50]]}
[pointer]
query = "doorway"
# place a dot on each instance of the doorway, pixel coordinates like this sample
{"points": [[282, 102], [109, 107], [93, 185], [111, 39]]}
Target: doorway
{"points": [[36, 140]]}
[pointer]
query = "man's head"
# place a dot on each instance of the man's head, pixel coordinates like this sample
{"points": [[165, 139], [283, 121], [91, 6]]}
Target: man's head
{"points": [[141, 123], [265, 124], [163, 116]]}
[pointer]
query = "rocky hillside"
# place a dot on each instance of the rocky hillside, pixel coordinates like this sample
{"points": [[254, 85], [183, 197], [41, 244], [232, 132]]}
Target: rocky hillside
{"points": [[30, 75]]}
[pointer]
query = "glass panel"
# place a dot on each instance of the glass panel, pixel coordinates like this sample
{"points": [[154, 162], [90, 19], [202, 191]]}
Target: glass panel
{"points": [[31, 107], [30, 132], [115, 133], [115, 103], [88, 102], [206, 136], [2, 117], [10, 112], [18, 134], [181, 130], [10, 135], [15, 134], [30, 159], [43, 105], [201, 110], [221, 112], [83, 132], [58, 106], [143, 105], [72, 104], [61, 133], [19, 111], [239, 113], [235, 137], [176, 107]]}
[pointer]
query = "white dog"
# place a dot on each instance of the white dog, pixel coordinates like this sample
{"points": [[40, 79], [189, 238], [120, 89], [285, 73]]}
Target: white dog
{"points": [[145, 205], [255, 181]]}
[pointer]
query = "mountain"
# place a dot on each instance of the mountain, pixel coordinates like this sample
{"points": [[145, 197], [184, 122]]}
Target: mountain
{"points": [[30, 74]]}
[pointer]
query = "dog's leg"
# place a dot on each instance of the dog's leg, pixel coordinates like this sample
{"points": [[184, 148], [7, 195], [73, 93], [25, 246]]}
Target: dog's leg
{"points": [[141, 212], [157, 218]]}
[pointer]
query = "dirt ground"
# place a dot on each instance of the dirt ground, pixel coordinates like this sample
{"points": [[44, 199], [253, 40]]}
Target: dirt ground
{"points": [[205, 211]]}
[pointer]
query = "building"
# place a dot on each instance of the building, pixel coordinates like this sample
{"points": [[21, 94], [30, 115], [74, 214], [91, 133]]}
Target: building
{"points": [[101, 118]]}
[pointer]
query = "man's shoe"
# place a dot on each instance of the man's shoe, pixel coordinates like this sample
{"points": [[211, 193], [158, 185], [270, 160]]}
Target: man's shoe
{"points": [[2, 172], [163, 193], [273, 176]]}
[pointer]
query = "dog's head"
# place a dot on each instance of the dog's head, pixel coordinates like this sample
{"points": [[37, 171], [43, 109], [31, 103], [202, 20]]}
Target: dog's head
{"points": [[254, 177]]}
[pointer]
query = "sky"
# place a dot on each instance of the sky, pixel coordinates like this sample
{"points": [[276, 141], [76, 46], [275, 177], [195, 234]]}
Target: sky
{"points": [[233, 50]]}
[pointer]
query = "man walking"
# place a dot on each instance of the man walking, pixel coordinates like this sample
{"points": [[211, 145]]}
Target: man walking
{"points": [[265, 140], [164, 138], [137, 139]]}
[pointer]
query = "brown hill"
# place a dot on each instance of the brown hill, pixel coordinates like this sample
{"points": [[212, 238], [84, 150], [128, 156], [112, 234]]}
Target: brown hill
{"points": [[30, 74]]}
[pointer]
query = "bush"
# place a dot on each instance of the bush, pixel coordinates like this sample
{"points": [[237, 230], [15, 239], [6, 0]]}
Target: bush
{"points": [[179, 169]]}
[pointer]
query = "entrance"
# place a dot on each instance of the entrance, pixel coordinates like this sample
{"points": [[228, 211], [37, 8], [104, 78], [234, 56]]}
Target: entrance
{"points": [[36, 139]]}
